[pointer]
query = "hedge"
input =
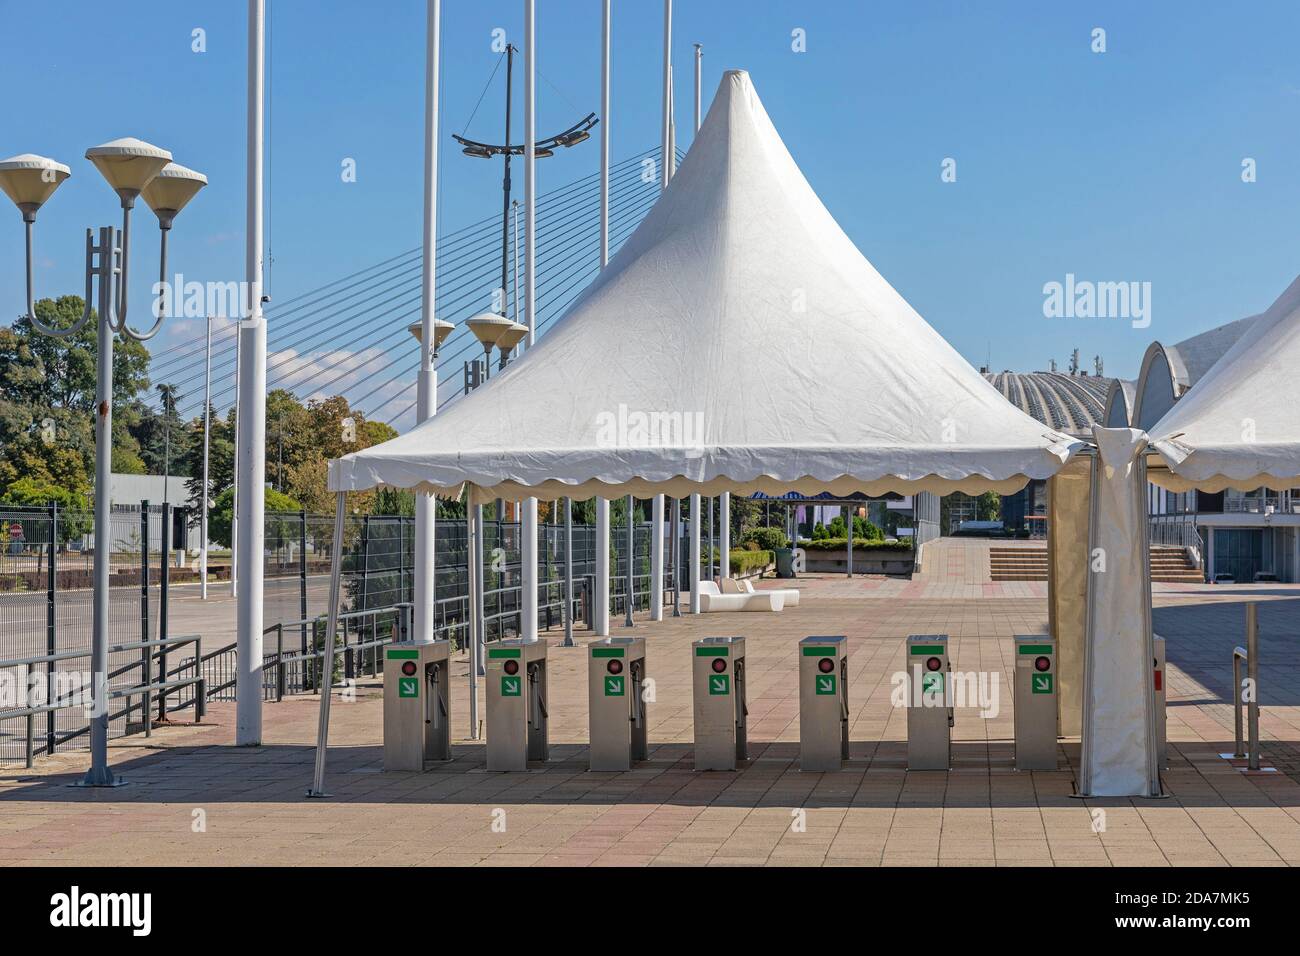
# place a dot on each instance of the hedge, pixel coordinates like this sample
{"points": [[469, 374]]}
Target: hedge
{"points": [[742, 561], [863, 544]]}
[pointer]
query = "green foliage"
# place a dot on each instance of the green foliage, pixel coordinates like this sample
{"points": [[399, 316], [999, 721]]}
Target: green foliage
{"points": [[820, 533], [74, 519], [841, 544], [744, 561], [768, 539], [283, 528], [862, 528], [47, 399]]}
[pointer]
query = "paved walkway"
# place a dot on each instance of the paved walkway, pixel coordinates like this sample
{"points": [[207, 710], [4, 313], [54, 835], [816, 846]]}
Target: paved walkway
{"points": [[195, 799]]}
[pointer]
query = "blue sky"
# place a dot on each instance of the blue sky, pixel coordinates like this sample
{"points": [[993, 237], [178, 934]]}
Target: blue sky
{"points": [[1119, 166]]}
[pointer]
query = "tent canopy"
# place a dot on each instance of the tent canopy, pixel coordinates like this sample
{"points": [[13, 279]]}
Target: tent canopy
{"points": [[739, 342], [1239, 427]]}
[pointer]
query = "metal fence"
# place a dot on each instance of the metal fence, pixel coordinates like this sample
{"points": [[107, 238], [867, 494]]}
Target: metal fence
{"points": [[46, 599]]}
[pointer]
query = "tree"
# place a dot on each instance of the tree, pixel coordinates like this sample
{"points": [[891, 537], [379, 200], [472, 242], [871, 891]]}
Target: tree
{"points": [[47, 399], [221, 515], [74, 518]]}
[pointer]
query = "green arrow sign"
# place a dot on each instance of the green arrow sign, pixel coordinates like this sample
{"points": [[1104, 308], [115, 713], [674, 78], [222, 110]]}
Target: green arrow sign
{"points": [[408, 687], [1042, 683], [613, 686], [932, 683], [719, 684], [511, 687], [825, 684]]}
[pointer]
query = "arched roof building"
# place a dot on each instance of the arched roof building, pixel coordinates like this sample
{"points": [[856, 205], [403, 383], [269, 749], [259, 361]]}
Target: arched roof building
{"points": [[1168, 371], [1068, 403]]}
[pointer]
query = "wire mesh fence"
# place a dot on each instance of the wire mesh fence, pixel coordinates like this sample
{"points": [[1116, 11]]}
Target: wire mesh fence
{"points": [[46, 609], [47, 600]]}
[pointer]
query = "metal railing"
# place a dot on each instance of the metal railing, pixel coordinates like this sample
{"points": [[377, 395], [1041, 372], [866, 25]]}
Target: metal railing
{"points": [[144, 691], [1247, 692]]}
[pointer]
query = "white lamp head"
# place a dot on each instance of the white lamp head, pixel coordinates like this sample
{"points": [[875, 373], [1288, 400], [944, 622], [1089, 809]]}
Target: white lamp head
{"points": [[128, 165], [441, 330], [169, 191], [511, 336], [29, 180], [488, 327]]}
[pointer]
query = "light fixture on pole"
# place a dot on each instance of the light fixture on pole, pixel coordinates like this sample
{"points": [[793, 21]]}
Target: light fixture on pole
{"points": [[487, 328], [129, 166], [507, 341], [167, 194], [441, 330]]}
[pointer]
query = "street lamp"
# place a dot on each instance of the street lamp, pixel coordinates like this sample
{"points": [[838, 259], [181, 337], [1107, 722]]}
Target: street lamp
{"points": [[487, 327], [129, 166], [507, 341]]}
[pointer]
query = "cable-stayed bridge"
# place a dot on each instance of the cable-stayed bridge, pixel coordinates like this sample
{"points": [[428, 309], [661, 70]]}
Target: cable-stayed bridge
{"points": [[349, 336]]}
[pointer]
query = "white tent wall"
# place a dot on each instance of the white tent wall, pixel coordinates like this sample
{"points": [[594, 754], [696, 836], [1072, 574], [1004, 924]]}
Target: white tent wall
{"points": [[1069, 494], [1238, 427], [1118, 748]]}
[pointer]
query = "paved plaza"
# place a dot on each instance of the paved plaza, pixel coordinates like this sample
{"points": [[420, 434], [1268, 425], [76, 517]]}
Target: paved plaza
{"points": [[193, 798]]}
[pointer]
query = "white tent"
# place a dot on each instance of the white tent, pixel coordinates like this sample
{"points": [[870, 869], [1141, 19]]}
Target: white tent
{"points": [[737, 342], [1239, 426]]}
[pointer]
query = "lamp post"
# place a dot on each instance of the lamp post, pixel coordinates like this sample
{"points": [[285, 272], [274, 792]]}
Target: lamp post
{"points": [[129, 166], [424, 594]]}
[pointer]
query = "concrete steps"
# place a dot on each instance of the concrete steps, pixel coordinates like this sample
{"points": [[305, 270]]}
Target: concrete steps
{"points": [[1168, 565]]}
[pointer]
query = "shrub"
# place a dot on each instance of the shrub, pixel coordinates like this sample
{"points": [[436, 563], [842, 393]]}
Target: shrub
{"points": [[769, 539], [745, 561], [839, 544]]}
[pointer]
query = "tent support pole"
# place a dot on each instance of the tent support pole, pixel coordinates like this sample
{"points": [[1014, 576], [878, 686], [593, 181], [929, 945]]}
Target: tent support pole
{"points": [[848, 534], [326, 675], [473, 609], [675, 558], [724, 535], [657, 558], [602, 567], [629, 585], [568, 572], [695, 553]]}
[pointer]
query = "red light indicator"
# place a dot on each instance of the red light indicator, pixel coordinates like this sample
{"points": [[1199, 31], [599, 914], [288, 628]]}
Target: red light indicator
{"points": [[1043, 663], [408, 668], [933, 664], [512, 667], [615, 666], [1160, 680], [826, 665], [719, 665]]}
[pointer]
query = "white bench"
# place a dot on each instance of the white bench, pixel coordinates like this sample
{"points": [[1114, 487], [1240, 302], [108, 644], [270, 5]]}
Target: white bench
{"points": [[713, 600], [733, 586]]}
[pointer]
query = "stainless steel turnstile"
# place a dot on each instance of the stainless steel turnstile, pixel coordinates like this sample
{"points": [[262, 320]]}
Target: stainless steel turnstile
{"points": [[823, 703], [929, 718], [1034, 702], [516, 704], [417, 704], [615, 693], [718, 671]]}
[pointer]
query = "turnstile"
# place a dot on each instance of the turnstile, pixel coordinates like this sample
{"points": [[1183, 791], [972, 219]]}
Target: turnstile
{"points": [[1034, 702], [1162, 748], [616, 707], [417, 704], [516, 704], [929, 718], [823, 703], [718, 681]]}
